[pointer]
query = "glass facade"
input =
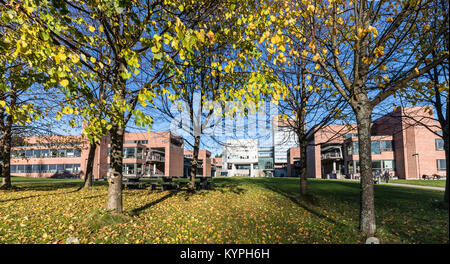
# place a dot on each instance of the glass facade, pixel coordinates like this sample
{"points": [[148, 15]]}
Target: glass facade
{"points": [[45, 153], [46, 168], [377, 146]]}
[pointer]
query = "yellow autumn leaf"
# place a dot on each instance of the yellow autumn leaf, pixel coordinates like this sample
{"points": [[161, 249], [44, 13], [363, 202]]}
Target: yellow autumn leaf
{"points": [[74, 57], [316, 57], [64, 83]]}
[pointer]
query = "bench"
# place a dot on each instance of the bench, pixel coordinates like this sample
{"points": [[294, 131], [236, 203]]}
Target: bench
{"points": [[164, 185], [436, 177], [426, 177]]}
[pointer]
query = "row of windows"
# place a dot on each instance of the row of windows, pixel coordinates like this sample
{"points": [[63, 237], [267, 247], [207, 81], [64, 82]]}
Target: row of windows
{"points": [[381, 165], [377, 165], [143, 142], [134, 168], [377, 146], [46, 153], [60, 144], [45, 168], [131, 153]]}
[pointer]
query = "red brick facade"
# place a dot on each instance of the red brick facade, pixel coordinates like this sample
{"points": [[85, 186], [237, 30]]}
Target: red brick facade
{"points": [[154, 153], [401, 145]]}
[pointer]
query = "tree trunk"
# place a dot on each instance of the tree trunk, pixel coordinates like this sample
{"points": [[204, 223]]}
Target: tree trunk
{"points": [[6, 153], [116, 167], [90, 166], [445, 135], [367, 223], [194, 162], [302, 169], [447, 161], [2, 128]]}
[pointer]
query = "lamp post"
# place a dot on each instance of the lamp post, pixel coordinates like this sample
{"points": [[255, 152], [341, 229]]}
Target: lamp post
{"points": [[418, 162]]}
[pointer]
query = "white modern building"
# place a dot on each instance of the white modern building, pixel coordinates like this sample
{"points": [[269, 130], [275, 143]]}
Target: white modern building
{"points": [[240, 157]]}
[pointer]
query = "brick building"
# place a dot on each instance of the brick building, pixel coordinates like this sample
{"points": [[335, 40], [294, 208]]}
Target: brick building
{"points": [[400, 143], [217, 167], [204, 163], [151, 154]]}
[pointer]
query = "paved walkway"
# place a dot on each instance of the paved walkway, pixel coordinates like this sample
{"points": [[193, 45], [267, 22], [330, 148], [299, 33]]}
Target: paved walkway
{"points": [[411, 185], [415, 186]]}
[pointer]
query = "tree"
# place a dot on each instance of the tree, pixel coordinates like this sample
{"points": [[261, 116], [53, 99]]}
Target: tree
{"points": [[433, 87], [17, 105], [213, 71], [368, 50], [307, 100]]}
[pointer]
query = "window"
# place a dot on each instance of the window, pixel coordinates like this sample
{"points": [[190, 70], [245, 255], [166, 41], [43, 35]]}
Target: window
{"points": [[76, 168], [45, 153], [21, 153], [348, 147], [355, 147], [439, 144], [61, 153], [70, 153], [60, 167], [389, 164], [386, 145], [129, 153], [139, 169], [28, 168], [54, 153], [20, 168], [441, 165], [139, 153], [29, 153], [13, 168], [128, 168], [376, 165], [76, 153], [44, 168], [52, 168], [36, 168], [37, 153], [375, 147], [68, 168]]}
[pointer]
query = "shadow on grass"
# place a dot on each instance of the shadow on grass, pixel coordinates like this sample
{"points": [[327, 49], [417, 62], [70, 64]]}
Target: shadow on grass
{"points": [[304, 203], [226, 186], [138, 210], [41, 187], [34, 196]]}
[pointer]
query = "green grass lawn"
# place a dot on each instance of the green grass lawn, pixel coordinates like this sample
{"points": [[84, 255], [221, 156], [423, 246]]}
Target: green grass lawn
{"points": [[434, 183], [235, 210]]}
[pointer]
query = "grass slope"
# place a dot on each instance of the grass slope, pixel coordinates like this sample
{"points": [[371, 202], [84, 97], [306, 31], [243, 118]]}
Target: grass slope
{"points": [[236, 210]]}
